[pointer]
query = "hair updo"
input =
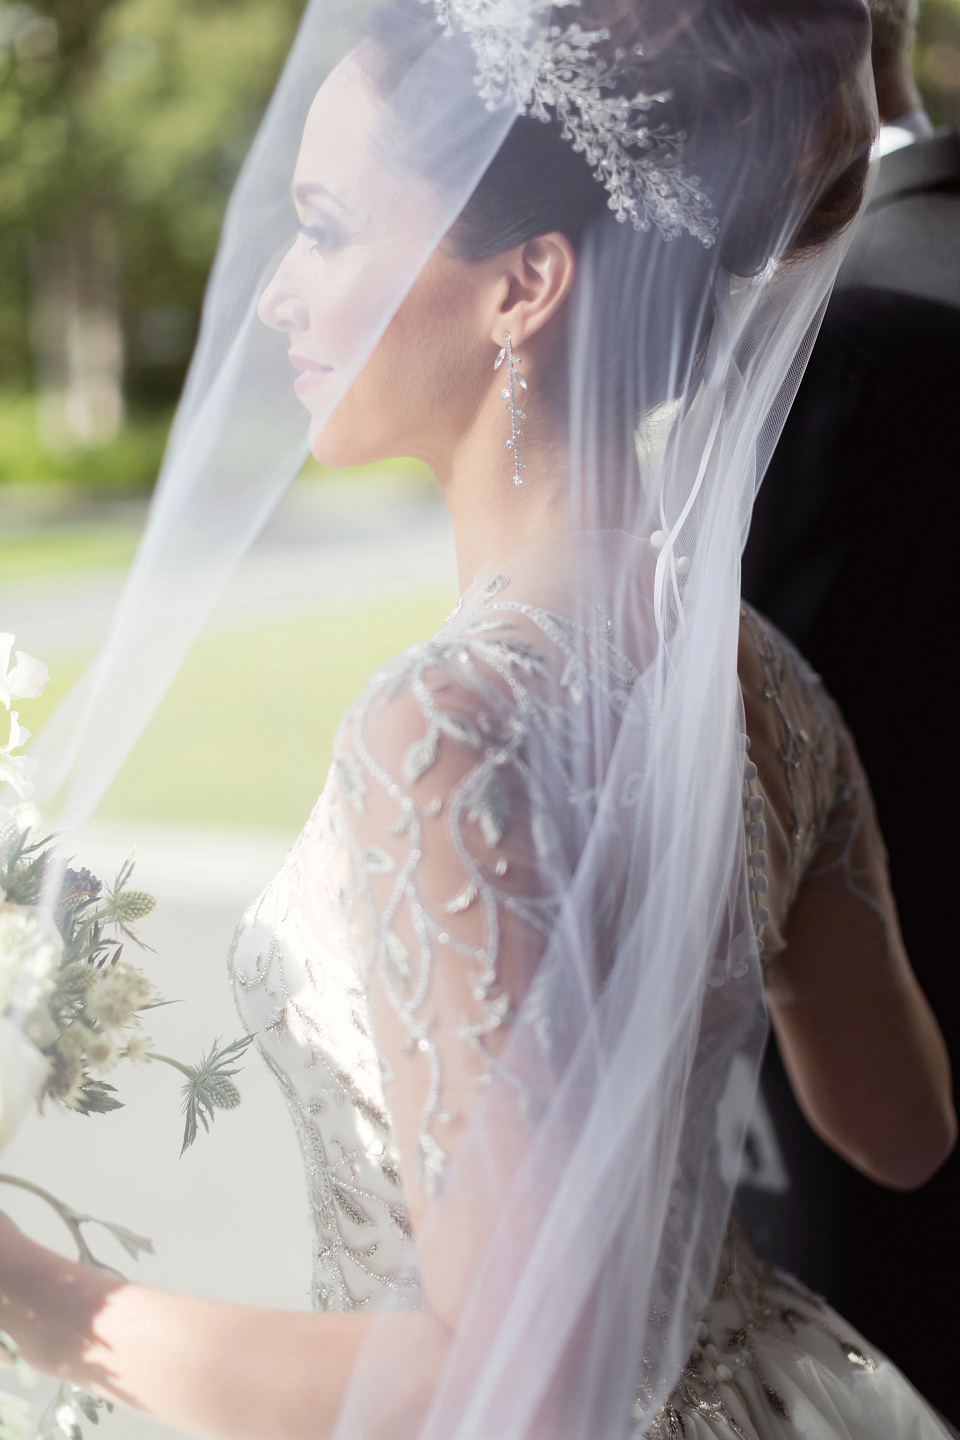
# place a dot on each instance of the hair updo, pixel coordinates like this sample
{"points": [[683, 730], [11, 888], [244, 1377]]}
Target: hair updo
{"points": [[767, 101], [765, 93]]}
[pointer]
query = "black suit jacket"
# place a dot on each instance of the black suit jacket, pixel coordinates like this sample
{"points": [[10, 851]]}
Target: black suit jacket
{"points": [[855, 552]]}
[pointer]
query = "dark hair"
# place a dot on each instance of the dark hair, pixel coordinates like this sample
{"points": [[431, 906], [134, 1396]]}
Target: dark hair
{"points": [[737, 72], [767, 98], [894, 27]]}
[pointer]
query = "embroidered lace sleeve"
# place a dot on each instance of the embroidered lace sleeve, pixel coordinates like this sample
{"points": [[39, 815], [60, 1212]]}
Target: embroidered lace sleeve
{"points": [[844, 907], [825, 882], [447, 903]]}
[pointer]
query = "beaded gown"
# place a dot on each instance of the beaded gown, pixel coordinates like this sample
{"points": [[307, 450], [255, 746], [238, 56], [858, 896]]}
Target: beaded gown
{"points": [[415, 838]]}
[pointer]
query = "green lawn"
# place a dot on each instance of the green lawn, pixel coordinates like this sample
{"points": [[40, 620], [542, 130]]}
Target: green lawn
{"points": [[58, 550], [65, 546], [245, 735]]}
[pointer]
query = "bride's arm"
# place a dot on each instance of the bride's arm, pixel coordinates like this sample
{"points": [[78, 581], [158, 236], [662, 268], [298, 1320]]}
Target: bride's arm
{"points": [[448, 897], [216, 1370], [242, 1373], [861, 1045]]}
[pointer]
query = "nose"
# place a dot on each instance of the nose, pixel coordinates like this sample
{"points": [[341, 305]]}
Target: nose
{"points": [[280, 308]]}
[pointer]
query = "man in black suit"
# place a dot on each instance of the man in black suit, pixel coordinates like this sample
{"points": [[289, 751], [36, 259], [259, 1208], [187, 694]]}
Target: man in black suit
{"points": [[855, 553]]}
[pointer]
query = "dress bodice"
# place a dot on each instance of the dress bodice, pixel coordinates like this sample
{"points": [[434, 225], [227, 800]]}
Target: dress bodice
{"points": [[300, 962], [300, 988]]}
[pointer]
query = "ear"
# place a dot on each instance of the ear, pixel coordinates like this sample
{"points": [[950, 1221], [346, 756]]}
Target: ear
{"points": [[534, 282]]}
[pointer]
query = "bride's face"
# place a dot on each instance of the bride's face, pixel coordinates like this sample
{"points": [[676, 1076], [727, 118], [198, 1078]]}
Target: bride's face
{"points": [[361, 232]]}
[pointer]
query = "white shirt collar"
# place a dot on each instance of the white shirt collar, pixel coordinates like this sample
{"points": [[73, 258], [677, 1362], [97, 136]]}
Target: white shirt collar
{"points": [[912, 125]]}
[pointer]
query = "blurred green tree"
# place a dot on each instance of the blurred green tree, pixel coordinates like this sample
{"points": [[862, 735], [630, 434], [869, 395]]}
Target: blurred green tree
{"points": [[122, 125], [936, 60]]}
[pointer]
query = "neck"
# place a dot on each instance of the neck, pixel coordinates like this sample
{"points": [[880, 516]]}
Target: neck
{"points": [[896, 95], [493, 518]]}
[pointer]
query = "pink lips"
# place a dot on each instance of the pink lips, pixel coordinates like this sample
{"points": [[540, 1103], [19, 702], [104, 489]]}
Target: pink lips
{"points": [[311, 372]]}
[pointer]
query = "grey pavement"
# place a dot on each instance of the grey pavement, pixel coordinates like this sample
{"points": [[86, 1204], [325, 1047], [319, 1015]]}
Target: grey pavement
{"points": [[329, 543], [229, 1219]]}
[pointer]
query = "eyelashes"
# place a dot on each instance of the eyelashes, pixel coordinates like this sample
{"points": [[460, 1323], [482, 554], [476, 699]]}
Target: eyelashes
{"points": [[326, 238]]}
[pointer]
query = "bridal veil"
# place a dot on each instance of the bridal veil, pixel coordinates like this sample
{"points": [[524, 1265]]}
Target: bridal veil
{"points": [[583, 1207]]}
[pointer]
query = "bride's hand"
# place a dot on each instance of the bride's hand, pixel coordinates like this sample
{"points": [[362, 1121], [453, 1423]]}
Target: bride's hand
{"points": [[10, 1235], [48, 1304], [17, 1261]]}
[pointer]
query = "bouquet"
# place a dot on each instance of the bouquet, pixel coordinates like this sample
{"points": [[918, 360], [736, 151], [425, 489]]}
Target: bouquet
{"points": [[72, 1006]]}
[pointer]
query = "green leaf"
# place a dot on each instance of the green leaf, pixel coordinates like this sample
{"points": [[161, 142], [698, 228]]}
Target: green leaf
{"points": [[88, 1405], [96, 1098], [14, 1417], [210, 1087], [135, 1245], [10, 1348]]}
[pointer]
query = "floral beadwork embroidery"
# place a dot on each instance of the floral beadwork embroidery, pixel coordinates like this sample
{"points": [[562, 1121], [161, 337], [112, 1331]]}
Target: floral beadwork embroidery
{"points": [[766, 1302], [490, 692], [510, 692]]}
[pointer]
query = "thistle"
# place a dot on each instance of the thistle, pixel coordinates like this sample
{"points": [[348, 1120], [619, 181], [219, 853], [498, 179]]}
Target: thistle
{"points": [[72, 1003], [210, 1086], [78, 998]]}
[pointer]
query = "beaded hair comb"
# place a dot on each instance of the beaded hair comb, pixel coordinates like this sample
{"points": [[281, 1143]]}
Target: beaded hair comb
{"points": [[562, 68]]}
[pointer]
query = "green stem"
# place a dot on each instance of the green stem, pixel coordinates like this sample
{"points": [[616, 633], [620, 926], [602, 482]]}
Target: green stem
{"points": [[187, 1070], [70, 1217]]}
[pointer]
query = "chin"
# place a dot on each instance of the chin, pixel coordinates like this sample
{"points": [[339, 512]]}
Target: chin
{"points": [[348, 441], [342, 453]]}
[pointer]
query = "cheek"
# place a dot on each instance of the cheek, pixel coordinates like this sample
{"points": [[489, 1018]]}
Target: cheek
{"points": [[420, 382], [409, 370], [428, 359], [340, 311]]}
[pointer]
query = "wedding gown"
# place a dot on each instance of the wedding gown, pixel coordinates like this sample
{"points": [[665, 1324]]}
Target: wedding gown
{"points": [[771, 1359]]}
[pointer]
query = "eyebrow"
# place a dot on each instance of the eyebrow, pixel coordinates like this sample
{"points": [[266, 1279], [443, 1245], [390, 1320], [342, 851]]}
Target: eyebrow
{"points": [[307, 190]]}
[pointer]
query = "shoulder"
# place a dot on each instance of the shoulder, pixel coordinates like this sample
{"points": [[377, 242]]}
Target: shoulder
{"points": [[797, 737], [782, 693], [905, 241], [771, 665], [463, 685], [499, 673], [439, 736]]}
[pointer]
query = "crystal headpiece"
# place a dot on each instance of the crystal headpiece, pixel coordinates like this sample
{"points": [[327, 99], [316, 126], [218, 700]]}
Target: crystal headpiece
{"points": [[562, 67]]}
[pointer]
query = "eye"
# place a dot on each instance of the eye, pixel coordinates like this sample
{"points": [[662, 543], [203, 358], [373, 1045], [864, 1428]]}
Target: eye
{"points": [[325, 236]]}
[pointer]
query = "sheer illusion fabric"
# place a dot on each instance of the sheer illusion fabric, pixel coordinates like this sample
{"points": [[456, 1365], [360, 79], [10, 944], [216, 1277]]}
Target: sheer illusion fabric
{"points": [[539, 814]]}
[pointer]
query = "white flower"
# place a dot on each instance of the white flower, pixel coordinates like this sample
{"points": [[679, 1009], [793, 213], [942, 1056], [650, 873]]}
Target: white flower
{"points": [[17, 770], [30, 949], [22, 1072], [15, 826], [27, 678], [26, 817], [20, 820], [139, 1046]]}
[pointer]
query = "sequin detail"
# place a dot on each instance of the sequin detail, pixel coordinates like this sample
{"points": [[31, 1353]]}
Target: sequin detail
{"points": [[499, 678], [724, 1373], [503, 693]]}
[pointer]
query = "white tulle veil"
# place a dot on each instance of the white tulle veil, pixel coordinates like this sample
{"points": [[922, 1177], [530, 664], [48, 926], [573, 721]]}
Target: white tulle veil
{"points": [[688, 336]]}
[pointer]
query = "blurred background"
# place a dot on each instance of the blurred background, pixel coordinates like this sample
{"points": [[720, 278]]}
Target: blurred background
{"points": [[122, 126]]}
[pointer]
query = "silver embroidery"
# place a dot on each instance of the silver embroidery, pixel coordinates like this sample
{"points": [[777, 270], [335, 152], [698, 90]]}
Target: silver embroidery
{"points": [[510, 685], [499, 678], [724, 1369]]}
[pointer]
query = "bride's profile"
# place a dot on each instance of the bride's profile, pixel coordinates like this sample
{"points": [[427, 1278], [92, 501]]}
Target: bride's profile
{"points": [[514, 977]]}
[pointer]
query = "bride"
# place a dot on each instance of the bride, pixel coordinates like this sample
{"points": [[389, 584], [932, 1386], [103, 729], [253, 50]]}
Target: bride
{"points": [[513, 978]]}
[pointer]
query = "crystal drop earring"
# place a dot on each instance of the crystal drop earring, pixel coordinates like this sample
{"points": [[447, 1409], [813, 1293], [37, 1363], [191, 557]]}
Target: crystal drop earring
{"points": [[509, 394]]}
